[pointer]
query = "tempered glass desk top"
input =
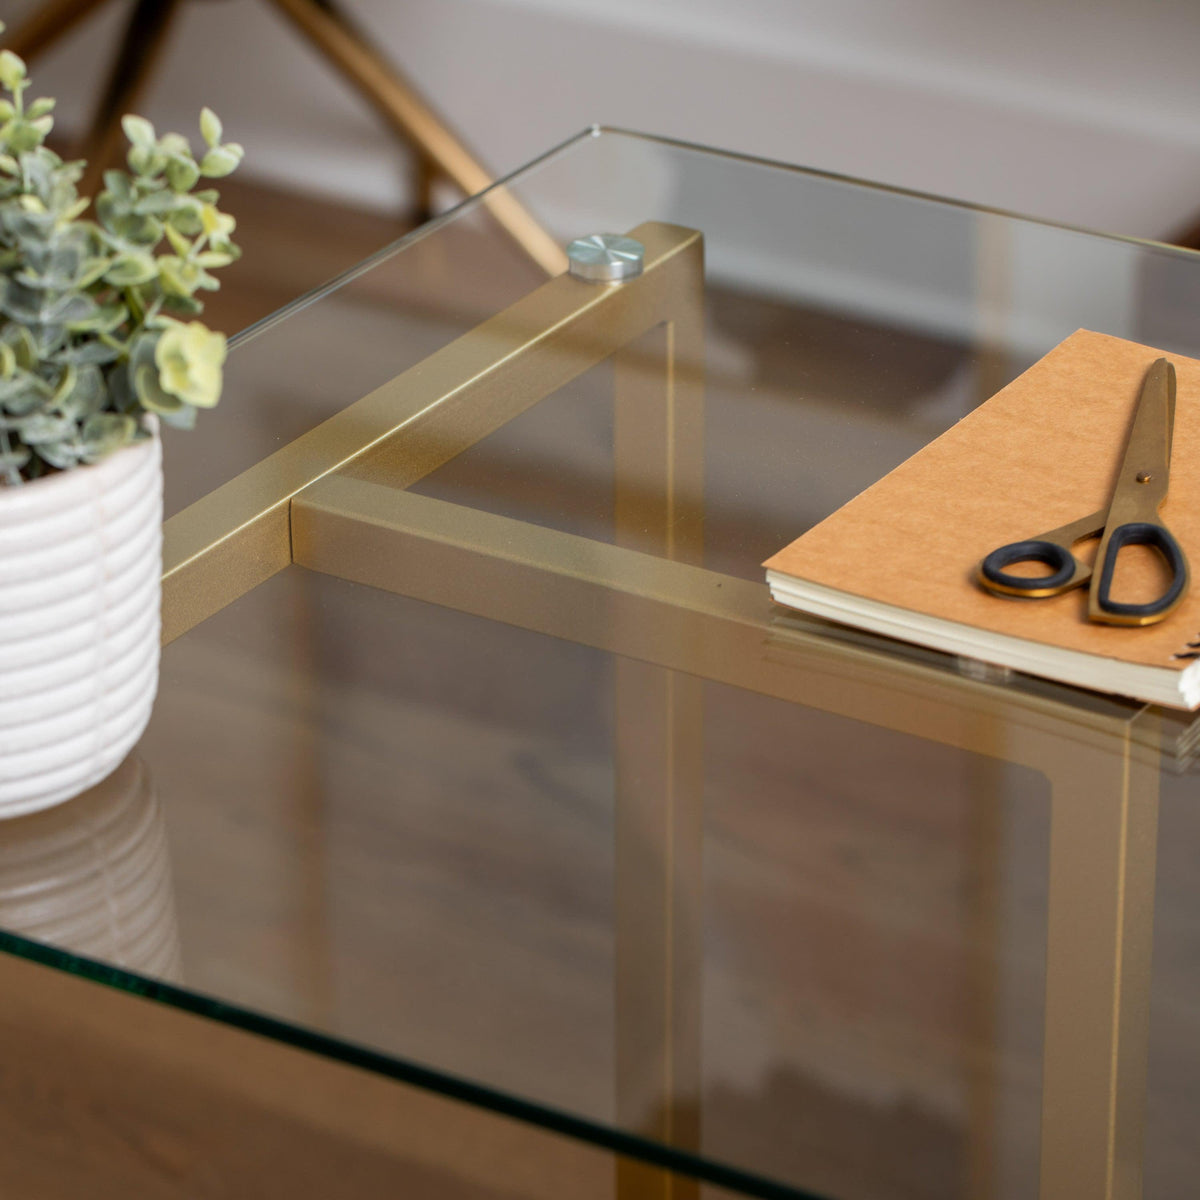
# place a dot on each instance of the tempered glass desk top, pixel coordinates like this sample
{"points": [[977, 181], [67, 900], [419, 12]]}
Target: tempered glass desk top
{"points": [[481, 758]]}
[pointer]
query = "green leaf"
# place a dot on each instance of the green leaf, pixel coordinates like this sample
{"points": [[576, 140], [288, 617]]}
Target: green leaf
{"points": [[104, 433], [40, 108], [142, 230], [66, 385], [91, 270], [184, 306], [157, 203], [210, 126], [177, 277], [44, 427], [131, 270], [142, 350], [11, 462], [182, 174], [214, 260], [70, 309], [52, 336], [106, 318], [63, 454], [119, 184], [139, 131], [146, 161], [12, 70], [174, 144], [185, 418], [186, 220], [21, 304], [89, 353], [24, 135], [151, 395], [23, 345], [179, 243], [87, 396], [20, 397], [221, 161]]}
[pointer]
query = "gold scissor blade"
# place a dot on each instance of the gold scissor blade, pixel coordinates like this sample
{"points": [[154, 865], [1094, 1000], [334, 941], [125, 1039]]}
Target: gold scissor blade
{"points": [[1145, 470]]}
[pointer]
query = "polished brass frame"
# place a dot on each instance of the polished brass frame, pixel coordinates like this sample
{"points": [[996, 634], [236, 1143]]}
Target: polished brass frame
{"points": [[335, 501]]}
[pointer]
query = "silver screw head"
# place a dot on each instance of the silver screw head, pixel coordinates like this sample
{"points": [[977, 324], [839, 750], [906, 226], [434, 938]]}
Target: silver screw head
{"points": [[605, 258]]}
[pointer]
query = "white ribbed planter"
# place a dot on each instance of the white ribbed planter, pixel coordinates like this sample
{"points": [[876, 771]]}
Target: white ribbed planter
{"points": [[80, 567]]}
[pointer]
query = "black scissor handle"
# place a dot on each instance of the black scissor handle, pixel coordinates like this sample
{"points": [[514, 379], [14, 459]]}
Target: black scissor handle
{"points": [[1058, 558], [1141, 533]]}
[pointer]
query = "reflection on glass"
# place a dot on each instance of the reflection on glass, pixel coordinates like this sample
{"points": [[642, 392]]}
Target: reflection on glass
{"points": [[92, 876]]}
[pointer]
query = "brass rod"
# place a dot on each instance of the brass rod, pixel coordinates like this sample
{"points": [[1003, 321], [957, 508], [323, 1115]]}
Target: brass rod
{"points": [[411, 115]]}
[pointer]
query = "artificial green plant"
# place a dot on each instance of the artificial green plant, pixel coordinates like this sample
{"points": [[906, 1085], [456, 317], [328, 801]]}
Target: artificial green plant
{"points": [[94, 313]]}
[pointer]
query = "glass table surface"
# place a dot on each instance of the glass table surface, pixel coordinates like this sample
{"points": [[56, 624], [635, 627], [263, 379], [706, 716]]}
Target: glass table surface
{"points": [[482, 760]]}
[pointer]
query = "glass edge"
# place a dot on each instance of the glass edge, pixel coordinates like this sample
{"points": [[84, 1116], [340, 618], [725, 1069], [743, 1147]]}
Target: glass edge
{"points": [[401, 1070], [895, 189], [467, 204]]}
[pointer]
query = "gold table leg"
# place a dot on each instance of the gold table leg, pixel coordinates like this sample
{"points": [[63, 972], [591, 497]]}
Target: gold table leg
{"points": [[659, 744], [659, 918], [1104, 825]]}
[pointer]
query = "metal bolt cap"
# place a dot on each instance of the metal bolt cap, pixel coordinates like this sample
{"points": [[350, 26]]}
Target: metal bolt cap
{"points": [[605, 258]]}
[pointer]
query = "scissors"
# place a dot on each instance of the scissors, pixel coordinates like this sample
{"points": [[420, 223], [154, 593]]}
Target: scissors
{"points": [[1130, 519]]}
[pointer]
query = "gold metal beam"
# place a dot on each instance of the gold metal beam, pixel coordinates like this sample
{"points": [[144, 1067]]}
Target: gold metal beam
{"points": [[335, 37], [239, 535], [675, 615], [658, 452], [1103, 847]]}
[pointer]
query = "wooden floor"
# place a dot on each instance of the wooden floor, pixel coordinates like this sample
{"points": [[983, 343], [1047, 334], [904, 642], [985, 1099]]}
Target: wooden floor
{"points": [[394, 823]]}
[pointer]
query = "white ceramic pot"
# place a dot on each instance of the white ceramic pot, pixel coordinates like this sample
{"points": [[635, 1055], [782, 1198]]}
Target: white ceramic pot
{"points": [[80, 568]]}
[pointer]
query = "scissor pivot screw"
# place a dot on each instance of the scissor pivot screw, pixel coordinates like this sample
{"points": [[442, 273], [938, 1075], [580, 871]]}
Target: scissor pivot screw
{"points": [[1143, 477]]}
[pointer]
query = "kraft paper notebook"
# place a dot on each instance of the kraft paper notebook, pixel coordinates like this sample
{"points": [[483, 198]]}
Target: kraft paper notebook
{"points": [[900, 558]]}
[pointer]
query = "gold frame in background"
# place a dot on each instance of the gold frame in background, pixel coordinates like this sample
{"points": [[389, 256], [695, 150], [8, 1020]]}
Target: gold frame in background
{"points": [[334, 501]]}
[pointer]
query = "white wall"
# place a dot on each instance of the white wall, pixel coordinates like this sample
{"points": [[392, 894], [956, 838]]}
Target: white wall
{"points": [[1082, 112]]}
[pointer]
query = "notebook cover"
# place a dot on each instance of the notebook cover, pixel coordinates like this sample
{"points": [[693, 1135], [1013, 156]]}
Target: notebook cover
{"points": [[1043, 451]]}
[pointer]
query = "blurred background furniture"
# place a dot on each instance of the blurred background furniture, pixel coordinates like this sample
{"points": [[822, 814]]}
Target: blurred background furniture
{"points": [[1077, 113], [438, 152]]}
